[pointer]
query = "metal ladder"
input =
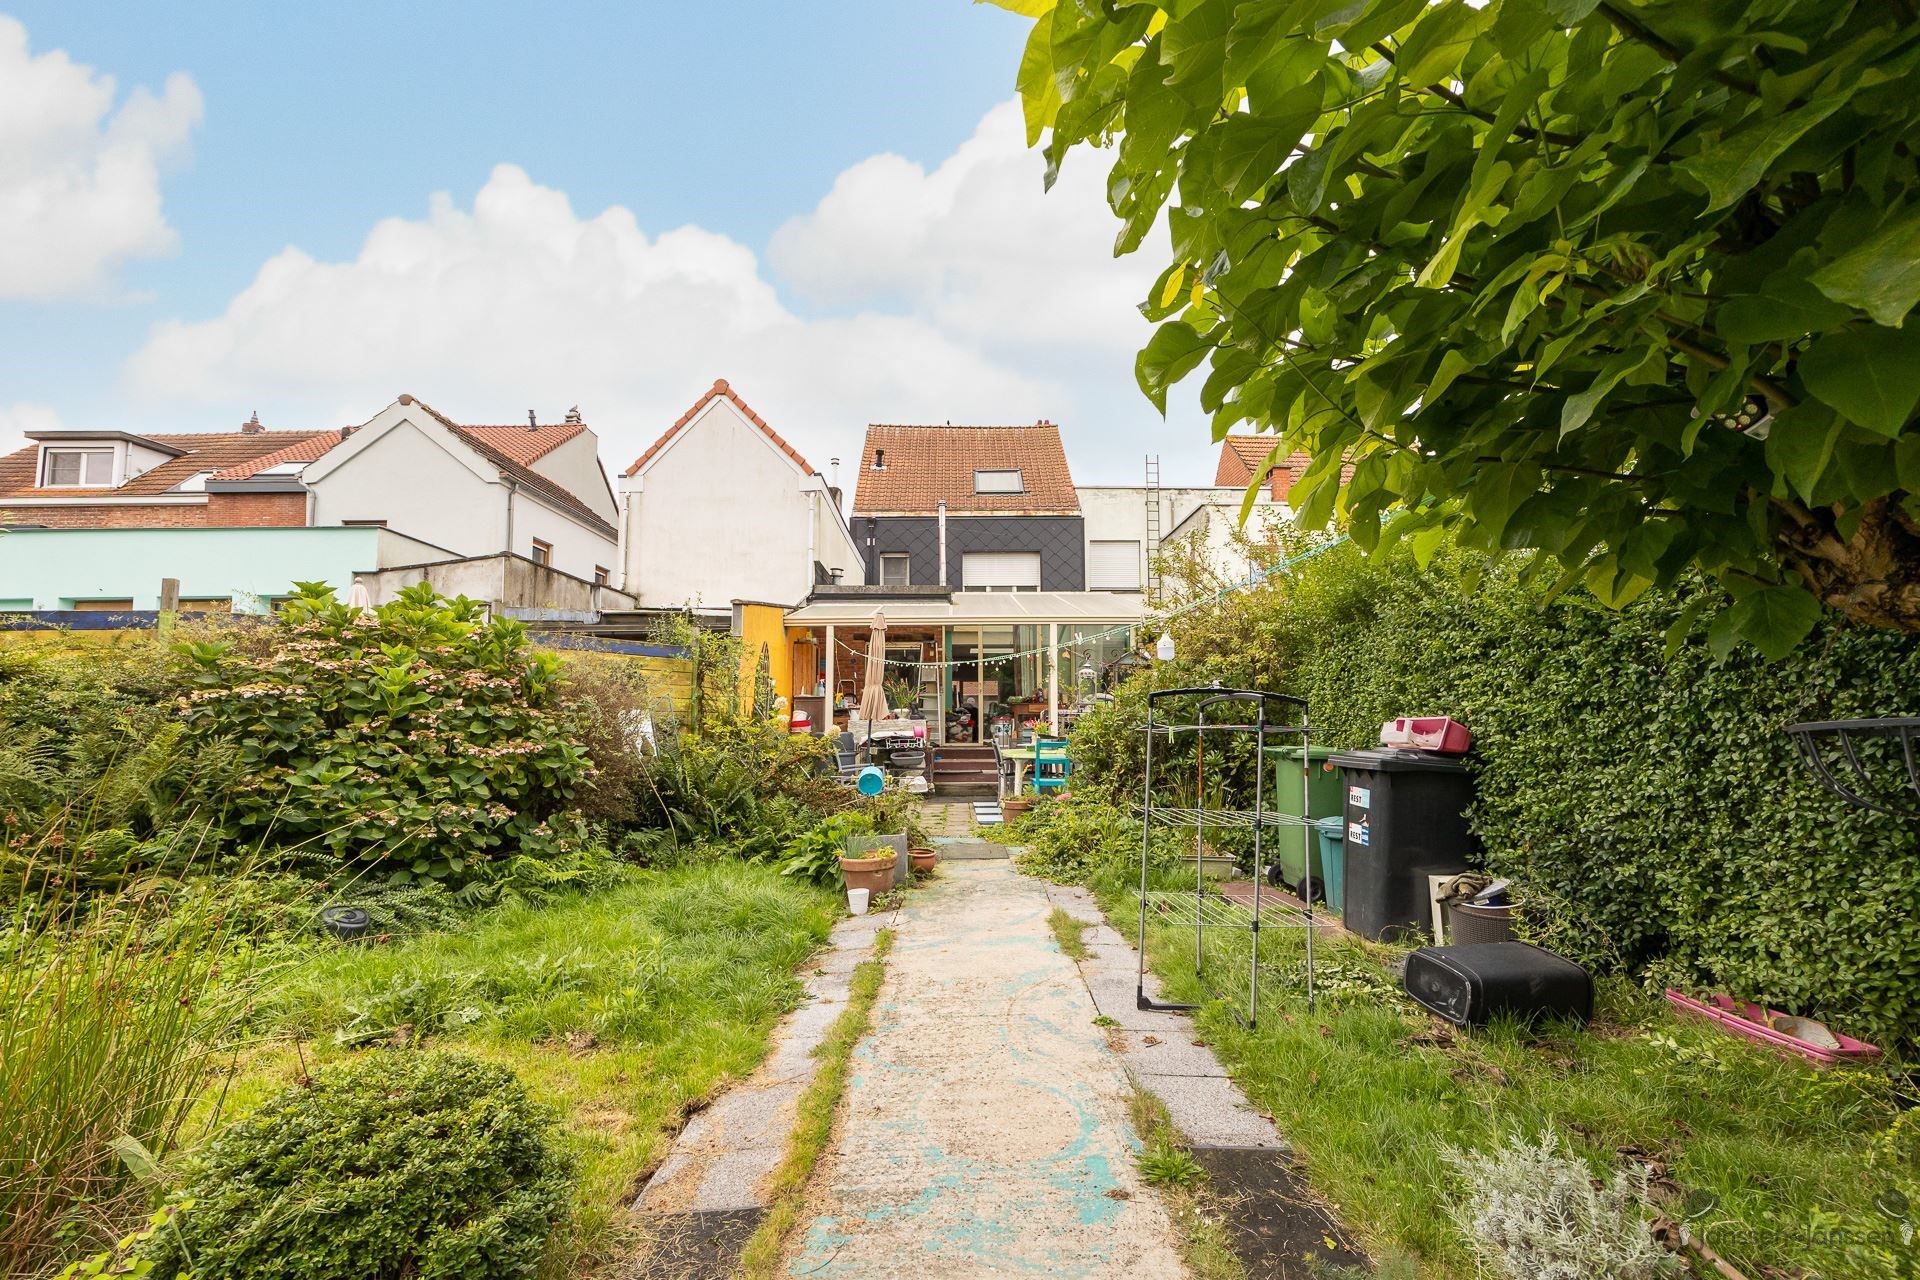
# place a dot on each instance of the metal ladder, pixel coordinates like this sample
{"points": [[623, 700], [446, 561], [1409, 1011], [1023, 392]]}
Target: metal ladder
{"points": [[1153, 527]]}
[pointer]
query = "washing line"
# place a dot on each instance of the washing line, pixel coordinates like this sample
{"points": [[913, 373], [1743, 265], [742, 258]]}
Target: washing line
{"points": [[1118, 629]]}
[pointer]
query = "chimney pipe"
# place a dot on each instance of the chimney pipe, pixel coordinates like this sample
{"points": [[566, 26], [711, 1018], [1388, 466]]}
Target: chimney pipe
{"points": [[532, 423], [252, 425], [573, 416]]}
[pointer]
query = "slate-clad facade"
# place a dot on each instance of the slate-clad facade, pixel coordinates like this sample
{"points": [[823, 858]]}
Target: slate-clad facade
{"points": [[1060, 542]]}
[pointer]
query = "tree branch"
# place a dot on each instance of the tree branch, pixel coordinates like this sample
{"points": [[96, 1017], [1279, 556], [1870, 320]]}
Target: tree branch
{"points": [[1634, 29]]}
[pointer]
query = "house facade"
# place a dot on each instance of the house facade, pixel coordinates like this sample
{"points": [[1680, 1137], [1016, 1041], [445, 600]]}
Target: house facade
{"points": [[969, 509], [439, 490], [721, 508]]}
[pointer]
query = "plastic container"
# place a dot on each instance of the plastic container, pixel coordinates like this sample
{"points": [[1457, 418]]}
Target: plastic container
{"points": [[857, 900], [1332, 837], [1427, 733], [1471, 985], [1474, 922], [1291, 847], [871, 780], [1406, 817]]}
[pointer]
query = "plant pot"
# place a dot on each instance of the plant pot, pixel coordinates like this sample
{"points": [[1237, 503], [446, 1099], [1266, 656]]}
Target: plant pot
{"points": [[1013, 809], [923, 858], [345, 923], [1469, 922], [875, 875]]}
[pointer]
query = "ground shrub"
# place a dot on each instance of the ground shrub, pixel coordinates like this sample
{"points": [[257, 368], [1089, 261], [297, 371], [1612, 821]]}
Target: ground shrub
{"points": [[417, 737], [1641, 789], [390, 1165]]}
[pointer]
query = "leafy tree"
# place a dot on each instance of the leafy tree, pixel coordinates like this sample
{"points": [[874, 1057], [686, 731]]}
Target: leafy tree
{"points": [[1622, 282]]}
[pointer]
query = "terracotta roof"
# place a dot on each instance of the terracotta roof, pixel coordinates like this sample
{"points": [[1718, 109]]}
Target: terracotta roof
{"points": [[300, 451], [718, 389], [1240, 455], [489, 442], [526, 445], [925, 464], [213, 451]]}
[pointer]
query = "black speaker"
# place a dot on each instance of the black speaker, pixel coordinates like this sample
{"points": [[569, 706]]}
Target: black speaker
{"points": [[1469, 985]]}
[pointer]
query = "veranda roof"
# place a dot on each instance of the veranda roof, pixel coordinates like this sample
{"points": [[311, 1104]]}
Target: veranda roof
{"points": [[1000, 608]]}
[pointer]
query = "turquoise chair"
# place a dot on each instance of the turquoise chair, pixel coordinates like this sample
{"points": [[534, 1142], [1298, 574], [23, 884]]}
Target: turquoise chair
{"points": [[1051, 767]]}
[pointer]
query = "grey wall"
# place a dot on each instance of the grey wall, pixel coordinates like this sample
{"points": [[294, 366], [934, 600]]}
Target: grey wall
{"points": [[1060, 540]]}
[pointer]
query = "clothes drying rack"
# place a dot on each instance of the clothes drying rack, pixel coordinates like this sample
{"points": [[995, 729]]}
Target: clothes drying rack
{"points": [[1249, 714]]}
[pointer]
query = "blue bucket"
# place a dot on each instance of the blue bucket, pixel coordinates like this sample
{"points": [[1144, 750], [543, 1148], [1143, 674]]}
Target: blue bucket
{"points": [[872, 781]]}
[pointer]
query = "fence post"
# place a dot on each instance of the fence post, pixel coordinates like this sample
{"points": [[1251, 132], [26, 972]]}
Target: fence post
{"points": [[169, 608]]}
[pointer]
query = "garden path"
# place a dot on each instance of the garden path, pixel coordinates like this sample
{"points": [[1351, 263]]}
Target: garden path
{"points": [[985, 1127]]}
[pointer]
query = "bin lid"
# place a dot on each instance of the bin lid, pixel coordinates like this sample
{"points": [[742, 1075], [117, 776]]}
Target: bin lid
{"points": [[1313, 753], [1334, 828], [1391, 761]]}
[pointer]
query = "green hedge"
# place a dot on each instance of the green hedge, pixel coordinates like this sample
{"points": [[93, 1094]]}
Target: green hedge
{"points": [[1653, 803]]}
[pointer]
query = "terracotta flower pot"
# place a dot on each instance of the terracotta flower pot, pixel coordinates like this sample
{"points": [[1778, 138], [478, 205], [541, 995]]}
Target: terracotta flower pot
{"points": [[875, 875], [1011, 809], [923, 858]]}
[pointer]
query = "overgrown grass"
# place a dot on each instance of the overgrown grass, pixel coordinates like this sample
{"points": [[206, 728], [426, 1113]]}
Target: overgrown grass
{"points": [[621, 1008], [104, 1021], [1370, 1090], [1069, 933], [1202, 1235], [813, 1124]]}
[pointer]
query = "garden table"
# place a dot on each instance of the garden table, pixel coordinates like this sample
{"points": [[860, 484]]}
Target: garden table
{"points": [[1022, 760]]}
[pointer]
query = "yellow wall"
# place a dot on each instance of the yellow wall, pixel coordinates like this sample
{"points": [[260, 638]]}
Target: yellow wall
{"points": [[765, 624]]}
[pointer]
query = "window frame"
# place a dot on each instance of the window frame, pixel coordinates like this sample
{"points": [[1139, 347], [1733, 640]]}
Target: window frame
{"points": [[602, 576], [906, 579], [1019, 480], [83, 452], [542, 553]]}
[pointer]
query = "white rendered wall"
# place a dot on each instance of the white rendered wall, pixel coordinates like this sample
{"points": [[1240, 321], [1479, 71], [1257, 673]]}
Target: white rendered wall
{"points": [[576, 548], [575, 467], [420, 489], [720, 515]]}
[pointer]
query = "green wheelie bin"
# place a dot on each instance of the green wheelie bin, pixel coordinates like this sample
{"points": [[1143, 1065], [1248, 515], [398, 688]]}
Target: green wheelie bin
{"points": [[1292, 846]]}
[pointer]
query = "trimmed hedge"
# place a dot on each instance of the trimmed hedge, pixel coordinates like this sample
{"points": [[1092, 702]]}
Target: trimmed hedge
{"points": [[1653, 804], [389, 1166]]}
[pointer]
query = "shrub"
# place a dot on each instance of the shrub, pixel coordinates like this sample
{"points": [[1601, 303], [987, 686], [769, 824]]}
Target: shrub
{"points": [[1636, 785], [416, 737], [389, 1165], [1532, 1212]]}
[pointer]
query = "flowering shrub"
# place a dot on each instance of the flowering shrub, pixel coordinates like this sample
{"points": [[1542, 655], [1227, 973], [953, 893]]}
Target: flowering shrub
{"points": [[416, 737]]}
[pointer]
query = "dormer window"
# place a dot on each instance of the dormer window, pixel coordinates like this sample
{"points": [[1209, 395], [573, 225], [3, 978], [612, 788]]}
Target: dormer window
{"points": [[76, 468], [1005, 481]]}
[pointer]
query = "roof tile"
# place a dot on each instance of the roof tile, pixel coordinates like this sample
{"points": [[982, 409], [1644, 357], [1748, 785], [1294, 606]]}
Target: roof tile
{"points": [[719, 388], [211, 451], [925, 464]]}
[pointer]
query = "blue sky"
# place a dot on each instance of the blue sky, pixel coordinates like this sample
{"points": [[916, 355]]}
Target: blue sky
{"points": [[829, 205]]}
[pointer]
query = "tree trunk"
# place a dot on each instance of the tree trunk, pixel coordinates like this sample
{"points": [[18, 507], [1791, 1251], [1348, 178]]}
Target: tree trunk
{"points": [[1872, 577]]}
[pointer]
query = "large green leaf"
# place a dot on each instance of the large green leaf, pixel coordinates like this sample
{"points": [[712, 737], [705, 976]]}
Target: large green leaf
{"points": [[1728, 167], [1775, 619], [1882, 275], [1172, 354], [1872, 375]]}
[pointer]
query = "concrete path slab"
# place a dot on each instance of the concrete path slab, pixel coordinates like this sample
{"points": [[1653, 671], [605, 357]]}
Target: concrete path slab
{"points": [[985, 1127]]}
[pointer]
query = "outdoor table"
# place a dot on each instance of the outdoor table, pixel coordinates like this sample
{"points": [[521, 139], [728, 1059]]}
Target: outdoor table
{"points": [[1022, 760]]}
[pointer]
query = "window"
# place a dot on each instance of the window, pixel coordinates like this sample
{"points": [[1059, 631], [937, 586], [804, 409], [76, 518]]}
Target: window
{"points": [[195, 483], [1000, 571], [78, 468], [896, 569], [364, 524], [1009, 481], [601, 575], [1113, 565], [542, 552]]}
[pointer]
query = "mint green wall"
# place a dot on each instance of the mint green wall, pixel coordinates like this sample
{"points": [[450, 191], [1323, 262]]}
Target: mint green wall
{"points": [[54, 568]]}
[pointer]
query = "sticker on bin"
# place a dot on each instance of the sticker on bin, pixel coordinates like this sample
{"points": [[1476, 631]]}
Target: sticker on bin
{"points": [[1359, 833], [1360, 797]]}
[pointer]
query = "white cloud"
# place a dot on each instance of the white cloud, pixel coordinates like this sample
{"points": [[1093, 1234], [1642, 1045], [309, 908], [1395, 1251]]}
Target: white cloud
{"points": [[960, 294], [79, 180]]}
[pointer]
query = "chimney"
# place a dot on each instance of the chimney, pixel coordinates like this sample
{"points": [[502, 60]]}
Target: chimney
{"points": [[573, 416], [833, 474], [252, 425], [879, 459], [532, 423]]}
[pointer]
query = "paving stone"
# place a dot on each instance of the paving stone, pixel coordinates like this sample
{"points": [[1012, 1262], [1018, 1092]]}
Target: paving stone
{"points": [[1211, 1111], [1151, 1053]]}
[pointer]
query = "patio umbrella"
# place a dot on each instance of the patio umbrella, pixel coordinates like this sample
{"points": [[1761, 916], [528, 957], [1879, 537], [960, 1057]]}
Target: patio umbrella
{"points": [[873, 697]]}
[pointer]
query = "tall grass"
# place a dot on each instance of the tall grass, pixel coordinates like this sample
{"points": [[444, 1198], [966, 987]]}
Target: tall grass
{"points": [[104, 1032]]}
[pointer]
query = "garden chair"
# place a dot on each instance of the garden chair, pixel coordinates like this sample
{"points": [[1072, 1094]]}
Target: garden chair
{"points": [[1051, 767], [846, 756]]}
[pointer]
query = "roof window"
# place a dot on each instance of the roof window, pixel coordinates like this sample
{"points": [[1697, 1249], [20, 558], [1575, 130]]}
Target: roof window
{"points": [[1008, 480]]}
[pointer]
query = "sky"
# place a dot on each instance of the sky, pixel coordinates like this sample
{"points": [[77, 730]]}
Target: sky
{"points": [[214, 209]]}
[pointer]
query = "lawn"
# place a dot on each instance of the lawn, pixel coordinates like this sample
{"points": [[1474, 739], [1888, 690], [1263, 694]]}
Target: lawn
{"points": [[1784, 1161], [620, 1009]]}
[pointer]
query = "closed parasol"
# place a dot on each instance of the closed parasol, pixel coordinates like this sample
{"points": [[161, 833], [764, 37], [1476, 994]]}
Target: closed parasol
{"points": [[873, 696]]}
